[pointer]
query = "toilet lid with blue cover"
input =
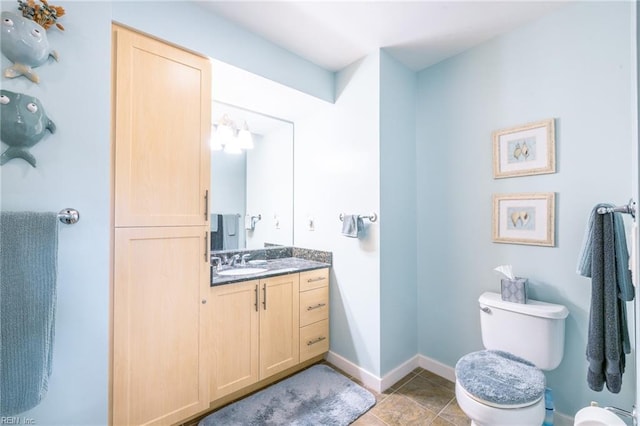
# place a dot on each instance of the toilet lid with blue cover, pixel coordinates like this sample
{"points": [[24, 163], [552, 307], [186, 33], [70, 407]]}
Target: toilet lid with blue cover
{"points": [[500, 379]]}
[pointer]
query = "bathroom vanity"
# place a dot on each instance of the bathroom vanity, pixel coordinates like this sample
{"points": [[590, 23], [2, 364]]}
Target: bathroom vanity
{"points": [[266, 325]]}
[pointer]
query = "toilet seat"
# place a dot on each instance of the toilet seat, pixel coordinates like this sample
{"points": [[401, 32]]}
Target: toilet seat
{"points": [[485, 415], [500, 379]]}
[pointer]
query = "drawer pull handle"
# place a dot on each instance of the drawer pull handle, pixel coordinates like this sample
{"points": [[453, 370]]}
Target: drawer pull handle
{"points": [[314, 341], [319, 305], [311, 280]]}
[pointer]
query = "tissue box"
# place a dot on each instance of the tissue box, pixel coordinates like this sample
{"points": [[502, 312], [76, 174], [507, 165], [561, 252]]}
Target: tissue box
{"points": [[514, 290]]}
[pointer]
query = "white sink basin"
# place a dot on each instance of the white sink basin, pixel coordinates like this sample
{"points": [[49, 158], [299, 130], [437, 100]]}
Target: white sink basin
{"points": [[241, 271]]}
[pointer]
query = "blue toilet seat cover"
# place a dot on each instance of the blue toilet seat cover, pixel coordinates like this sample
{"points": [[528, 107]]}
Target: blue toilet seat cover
{"points": [[501, 378]]}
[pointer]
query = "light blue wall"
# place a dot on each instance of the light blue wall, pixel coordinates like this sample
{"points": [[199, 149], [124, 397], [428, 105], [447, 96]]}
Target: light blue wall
{"points": [[575, 65], [398, 304], [338, 155], [190, 25], [73, 171]]}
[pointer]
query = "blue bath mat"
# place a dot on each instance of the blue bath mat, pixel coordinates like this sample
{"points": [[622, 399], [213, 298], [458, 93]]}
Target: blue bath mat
{"points": [[316, 396]]}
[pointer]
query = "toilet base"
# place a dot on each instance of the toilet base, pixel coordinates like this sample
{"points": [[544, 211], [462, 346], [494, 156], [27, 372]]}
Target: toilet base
{"points": [[484, 415]]}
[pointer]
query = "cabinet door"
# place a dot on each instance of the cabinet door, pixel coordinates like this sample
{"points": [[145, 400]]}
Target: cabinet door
{"points": [[160, 351], [234, 337], [279, 324], [161, 132]]}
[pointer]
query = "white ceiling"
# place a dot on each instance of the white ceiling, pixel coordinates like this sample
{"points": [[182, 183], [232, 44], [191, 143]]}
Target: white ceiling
{"points": [[333, 34]]}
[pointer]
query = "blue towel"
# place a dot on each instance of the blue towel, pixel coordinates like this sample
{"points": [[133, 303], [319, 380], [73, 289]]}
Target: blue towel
{"points": [[28, 260], [604, 258], [623, 274], [351, 225], [230, 231], [214, 223]]}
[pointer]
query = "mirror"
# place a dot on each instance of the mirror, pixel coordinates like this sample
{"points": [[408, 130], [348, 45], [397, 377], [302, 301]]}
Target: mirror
{"points": [[251, 200]]}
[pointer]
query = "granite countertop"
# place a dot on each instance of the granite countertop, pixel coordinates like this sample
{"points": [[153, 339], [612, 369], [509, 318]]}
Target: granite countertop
{"points": [[274, 267]]}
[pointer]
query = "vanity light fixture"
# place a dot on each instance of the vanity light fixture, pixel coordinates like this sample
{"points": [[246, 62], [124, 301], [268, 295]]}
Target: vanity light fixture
{"points": [[244, 137], [226, 135], [233, 146], [223, 134]]}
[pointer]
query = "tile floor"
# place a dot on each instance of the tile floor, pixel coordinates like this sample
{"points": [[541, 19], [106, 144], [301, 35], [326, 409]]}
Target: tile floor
{"points": [[420, 398]]}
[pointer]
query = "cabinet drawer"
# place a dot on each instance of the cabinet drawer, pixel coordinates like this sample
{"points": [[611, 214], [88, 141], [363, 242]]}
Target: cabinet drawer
{"points": [[314, 340], [314, 279], [314, 305]]}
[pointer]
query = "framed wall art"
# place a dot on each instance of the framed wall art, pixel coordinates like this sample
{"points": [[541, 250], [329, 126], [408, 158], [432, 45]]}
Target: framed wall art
{"points": [[524, 218], [525, 150]]}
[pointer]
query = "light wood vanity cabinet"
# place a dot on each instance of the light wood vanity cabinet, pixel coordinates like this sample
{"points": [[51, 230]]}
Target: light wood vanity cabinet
{"points": [[234, 340], [254, 337], [314, 313], [253, 331], [162, 119]]}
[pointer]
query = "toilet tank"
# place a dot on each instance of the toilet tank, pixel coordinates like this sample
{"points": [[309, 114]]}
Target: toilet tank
{"points": [[533, 331]]}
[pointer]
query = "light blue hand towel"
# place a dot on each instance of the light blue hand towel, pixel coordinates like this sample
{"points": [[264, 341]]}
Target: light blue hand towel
{"points": [[230, 231], [351, 225], [28, 261]]}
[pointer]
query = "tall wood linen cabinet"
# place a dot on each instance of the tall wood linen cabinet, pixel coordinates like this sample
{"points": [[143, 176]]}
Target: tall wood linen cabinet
{"points": [[161, 127]]}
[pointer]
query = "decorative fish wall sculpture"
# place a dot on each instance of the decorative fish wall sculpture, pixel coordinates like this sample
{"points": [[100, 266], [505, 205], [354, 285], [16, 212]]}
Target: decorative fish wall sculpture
{"points": [[25, 43], [23, 123]]}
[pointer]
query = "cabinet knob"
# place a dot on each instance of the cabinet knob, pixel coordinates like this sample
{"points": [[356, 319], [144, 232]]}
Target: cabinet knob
{"points": [[204, 301]]}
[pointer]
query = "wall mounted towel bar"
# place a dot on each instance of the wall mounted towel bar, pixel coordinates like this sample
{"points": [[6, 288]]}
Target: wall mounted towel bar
{"points": [[372, 217], [69, 216], [629, 208]]}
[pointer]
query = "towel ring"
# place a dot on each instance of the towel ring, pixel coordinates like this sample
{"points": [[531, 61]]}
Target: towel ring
{"points": [[372, 217]]}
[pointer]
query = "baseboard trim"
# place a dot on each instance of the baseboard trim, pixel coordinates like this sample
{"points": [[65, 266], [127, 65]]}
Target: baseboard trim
{"points": [[369, 380], [379, 385], [436, 367], [398, 373]]}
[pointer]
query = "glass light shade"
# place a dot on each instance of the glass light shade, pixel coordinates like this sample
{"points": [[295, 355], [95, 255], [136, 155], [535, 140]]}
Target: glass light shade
{"points": [[224, 135], [216, 145], [245, 139], [233, 146]]}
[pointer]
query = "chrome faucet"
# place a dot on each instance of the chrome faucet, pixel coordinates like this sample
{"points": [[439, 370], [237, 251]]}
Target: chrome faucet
{"points": [[244, 259], [217, 261], [233, 260]]}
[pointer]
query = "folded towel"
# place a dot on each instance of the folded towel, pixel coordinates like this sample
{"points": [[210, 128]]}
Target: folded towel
{"points": [[28, 261], [248, 223], [608, 338], [217, 238], [351, 225], [230, 224], [230, 231]]}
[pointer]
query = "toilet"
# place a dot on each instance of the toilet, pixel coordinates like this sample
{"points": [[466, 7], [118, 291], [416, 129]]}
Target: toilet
{"points": [[504, 384]]}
